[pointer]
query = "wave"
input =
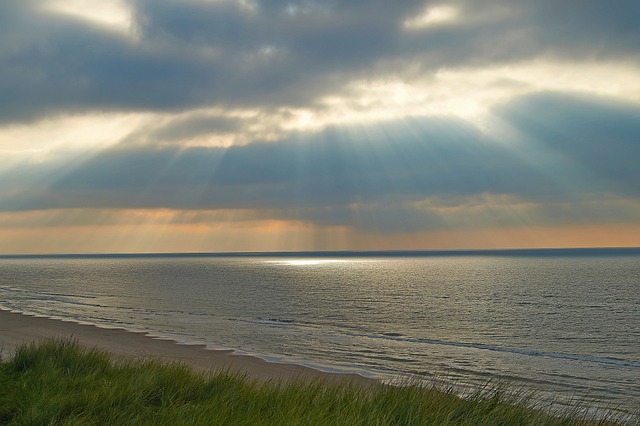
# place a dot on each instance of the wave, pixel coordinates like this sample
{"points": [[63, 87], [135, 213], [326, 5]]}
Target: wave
{"points": [[275, 321], [399, 337], [45, 293], [519, 351]]}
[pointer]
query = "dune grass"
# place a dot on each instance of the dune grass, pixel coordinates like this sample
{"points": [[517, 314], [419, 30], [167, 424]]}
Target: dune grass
{"points": [[61, 382]]}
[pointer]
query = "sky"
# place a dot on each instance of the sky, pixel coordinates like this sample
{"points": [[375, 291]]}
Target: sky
{"points": [[133, 126]]}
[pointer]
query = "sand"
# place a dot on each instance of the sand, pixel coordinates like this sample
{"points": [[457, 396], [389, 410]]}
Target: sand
{"points": [[17, 328]]}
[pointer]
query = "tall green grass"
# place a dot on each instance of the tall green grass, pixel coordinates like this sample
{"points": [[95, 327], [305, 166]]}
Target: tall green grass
{"points": [[60, 382]]}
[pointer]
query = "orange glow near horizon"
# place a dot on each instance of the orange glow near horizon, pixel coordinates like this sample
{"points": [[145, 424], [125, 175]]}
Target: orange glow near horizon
{"points": [[290, 235]]}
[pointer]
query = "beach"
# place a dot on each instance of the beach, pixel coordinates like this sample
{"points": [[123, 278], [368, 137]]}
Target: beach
{"points": [[17, 329], [60, 382]]}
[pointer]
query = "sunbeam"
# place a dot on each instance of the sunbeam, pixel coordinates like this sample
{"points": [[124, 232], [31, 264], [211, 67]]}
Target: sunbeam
{"points": [[221, 125]]}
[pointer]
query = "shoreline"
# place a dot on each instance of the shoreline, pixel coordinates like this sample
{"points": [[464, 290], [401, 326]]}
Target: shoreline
{"points": [[120, 344], [18, 328]]}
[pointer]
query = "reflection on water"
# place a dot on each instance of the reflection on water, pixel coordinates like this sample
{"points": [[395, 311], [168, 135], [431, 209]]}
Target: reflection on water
{"points": [[307, 262]]}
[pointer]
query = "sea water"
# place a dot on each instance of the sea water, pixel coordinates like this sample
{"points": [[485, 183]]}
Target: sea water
{"points": [[562, 324]]}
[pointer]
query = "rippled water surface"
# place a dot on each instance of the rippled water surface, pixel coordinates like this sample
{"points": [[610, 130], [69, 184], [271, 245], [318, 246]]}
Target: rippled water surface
{"points": [[565, 326]]}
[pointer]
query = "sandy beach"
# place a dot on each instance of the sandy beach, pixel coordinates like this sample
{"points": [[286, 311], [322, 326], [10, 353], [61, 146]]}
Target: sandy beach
{"points": [[17, 328]]}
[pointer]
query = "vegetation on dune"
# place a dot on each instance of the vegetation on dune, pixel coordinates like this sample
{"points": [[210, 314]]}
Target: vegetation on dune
{"points": [[60, 382]]}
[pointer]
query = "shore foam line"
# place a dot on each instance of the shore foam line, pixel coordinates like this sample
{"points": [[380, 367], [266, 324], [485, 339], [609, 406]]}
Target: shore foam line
{"points": [[18, 328]]}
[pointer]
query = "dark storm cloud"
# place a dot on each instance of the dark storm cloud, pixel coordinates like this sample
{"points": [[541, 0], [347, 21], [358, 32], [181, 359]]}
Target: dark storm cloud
{"points": [[496, 32], [53, 64], [186, 55], [577, 148], [189, 54], [579, 28]]}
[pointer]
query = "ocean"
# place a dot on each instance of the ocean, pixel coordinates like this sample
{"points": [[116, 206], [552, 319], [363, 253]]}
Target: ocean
{"points": [[563, 324]]}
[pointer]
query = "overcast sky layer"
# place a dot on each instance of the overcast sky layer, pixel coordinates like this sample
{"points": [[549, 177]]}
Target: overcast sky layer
{"points": [[218, 125]]}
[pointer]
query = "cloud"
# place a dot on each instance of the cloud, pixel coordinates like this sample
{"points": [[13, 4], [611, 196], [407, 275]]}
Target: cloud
{"points": [[580, 28], [379, 117], [334, 166], [183, 55], [568, 158], [503, 30]]}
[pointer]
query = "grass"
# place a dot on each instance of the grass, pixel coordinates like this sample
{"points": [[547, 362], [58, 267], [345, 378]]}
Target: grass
{"points": [[61, 382]]}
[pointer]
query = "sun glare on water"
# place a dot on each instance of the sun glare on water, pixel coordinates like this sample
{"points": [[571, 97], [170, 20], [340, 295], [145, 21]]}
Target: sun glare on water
{"points": [[307, 262]]}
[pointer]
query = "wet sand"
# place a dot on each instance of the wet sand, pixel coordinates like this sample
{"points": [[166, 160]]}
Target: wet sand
{"points": [[17, 328]]}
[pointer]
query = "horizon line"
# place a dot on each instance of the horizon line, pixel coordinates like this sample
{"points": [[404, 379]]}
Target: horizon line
{"points": [[344, 253]]}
